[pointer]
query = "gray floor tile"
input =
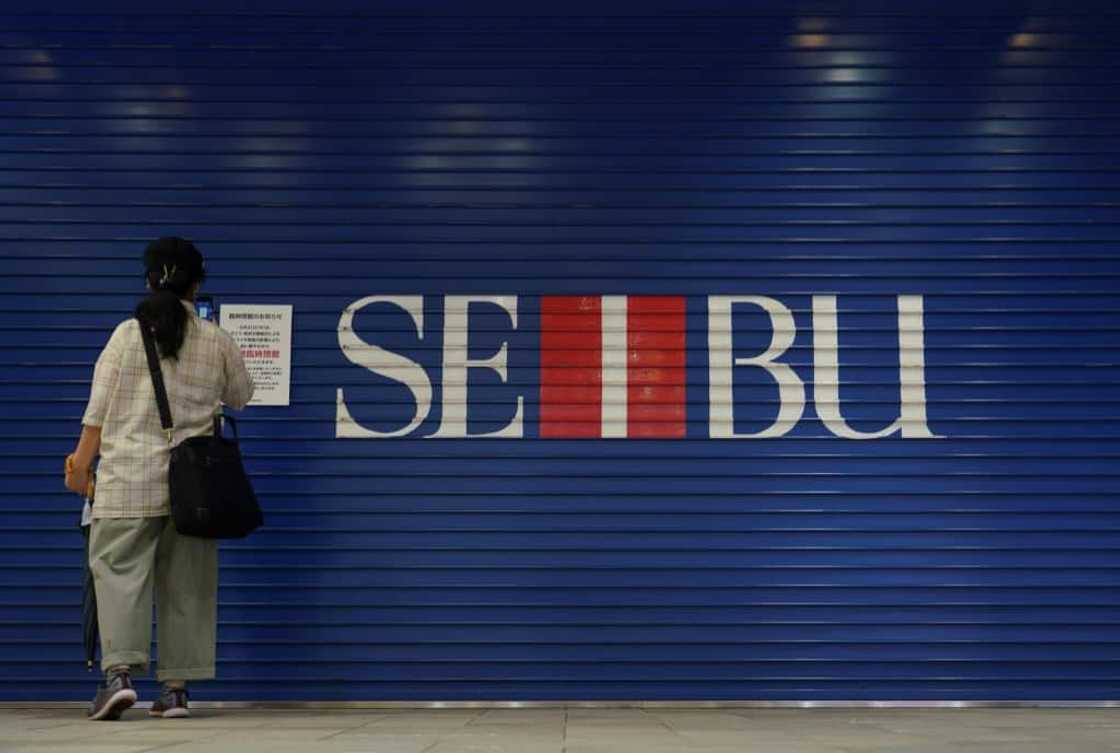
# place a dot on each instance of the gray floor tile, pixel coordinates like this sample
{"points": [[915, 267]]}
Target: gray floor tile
{"points": [[569, 730]]}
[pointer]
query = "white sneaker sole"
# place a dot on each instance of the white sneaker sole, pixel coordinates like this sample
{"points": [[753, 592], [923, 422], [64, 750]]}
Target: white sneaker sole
{"points": [[121, 701]]}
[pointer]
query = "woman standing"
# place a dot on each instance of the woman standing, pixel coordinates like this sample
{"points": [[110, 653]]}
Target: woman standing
{"points": [[133, 542]]}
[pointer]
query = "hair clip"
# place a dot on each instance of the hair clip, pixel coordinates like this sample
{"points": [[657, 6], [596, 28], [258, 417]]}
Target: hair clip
{"points": [[167, 275]]}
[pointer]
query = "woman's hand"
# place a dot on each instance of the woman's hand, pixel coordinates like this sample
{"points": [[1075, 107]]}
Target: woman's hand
{"points": [[78, 464], [77, 477]]}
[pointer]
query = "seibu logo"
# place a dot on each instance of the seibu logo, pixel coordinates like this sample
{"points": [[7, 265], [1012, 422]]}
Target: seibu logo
{"points": [[615, 367]]}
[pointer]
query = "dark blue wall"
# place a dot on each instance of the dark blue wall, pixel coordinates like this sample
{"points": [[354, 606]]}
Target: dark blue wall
{"points": [[956, 151]]}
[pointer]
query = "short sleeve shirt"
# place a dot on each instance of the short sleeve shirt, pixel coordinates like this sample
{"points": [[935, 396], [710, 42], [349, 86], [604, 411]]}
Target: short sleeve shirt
{"points": [[135, 454]]}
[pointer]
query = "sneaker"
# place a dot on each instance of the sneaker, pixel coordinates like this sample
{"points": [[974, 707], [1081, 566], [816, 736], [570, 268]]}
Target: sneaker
{"points": [[171, 704], [113, 697]]}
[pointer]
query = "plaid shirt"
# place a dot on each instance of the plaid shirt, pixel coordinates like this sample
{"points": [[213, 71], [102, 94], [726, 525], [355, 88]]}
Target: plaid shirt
{"points": [[132, 473]]}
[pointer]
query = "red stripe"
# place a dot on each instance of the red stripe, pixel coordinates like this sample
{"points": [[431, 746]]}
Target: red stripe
{"points": [[655, 395], [571, 366]]}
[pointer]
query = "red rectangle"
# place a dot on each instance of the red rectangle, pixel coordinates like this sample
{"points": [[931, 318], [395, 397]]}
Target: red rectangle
{"points": [[655, 394], [571, 366]]}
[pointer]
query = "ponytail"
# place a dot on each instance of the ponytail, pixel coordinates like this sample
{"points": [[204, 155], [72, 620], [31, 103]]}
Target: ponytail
{"points": [[173, 266], [163, 313]]}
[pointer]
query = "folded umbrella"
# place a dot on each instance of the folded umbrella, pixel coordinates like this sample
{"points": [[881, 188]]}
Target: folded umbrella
{"points": [[90, 637], [89, 601]]}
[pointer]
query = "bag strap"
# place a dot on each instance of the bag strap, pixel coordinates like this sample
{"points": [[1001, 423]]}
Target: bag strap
{"points": [[228, 419], [157, 380]]}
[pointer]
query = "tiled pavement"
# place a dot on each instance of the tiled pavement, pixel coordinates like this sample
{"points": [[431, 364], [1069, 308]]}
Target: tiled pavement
{"points": [[570, 730]]}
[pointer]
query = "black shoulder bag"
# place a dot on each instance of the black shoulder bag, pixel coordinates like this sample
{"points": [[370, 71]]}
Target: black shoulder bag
{"points": [[211, 496]]}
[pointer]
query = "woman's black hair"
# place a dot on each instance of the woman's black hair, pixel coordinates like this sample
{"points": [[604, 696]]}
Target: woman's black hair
{"points": [[172, 266]]}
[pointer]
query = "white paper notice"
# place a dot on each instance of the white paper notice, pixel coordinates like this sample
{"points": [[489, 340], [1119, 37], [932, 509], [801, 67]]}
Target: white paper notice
{"points": [[264, 334]]}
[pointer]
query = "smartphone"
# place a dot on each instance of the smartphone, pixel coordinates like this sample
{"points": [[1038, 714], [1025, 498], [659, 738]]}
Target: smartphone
{"points": [[204, 305]]}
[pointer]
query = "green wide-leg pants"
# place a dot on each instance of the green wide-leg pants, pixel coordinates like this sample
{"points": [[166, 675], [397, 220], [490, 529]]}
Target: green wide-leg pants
{"points": [[129, 555]]}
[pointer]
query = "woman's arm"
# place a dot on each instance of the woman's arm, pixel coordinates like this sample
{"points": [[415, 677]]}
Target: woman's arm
{"points": [[106, 372], [239, 385]]}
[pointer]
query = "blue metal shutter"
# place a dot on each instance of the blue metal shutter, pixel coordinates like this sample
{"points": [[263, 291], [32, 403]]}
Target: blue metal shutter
{"points": [[865, 151]]}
